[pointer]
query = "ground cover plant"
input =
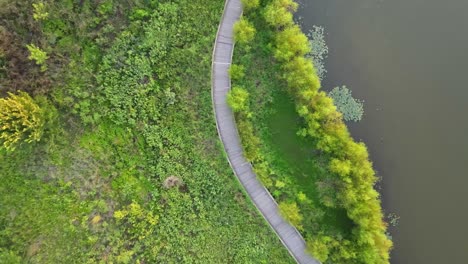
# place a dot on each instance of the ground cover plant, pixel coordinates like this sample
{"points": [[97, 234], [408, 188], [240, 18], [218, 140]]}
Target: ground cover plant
{"points": [[128, 167], [299, 145]]}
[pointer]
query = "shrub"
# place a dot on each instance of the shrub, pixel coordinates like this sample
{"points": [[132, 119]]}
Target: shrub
{"points": [[291, 213], [236, 72], [320, 247], [37, 55], [39, 12], [249, 5], [290, 43], [279, 13], [352, 109], [244, 32], [237, 99], [21, 119]]}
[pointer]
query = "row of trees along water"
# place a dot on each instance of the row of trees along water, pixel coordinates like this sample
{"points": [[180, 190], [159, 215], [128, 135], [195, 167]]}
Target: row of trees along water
{"points": [[267, 27]]}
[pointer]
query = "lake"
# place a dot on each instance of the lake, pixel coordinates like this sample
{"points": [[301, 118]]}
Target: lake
{"points": [[408, 60]]}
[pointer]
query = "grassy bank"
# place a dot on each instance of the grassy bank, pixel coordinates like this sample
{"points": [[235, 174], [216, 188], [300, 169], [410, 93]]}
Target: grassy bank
{"points": [[129, 168], [297, 141]]}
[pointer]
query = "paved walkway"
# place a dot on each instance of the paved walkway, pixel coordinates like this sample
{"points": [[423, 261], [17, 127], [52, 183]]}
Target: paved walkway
{"points": [[222, 56]]}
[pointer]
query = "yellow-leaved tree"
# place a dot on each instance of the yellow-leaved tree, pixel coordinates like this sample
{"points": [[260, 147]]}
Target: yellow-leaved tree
{"points": [[21, 120]]}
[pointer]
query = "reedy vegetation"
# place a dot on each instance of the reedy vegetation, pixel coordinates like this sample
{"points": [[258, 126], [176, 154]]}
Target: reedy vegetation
{"points": [[344, 163]]}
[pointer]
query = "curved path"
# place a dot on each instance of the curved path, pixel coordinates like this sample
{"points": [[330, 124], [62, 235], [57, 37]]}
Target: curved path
{"points": [[222, 56]]}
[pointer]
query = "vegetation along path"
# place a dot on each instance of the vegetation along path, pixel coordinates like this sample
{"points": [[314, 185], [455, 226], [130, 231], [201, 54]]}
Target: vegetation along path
{"points": [[222, 56]]}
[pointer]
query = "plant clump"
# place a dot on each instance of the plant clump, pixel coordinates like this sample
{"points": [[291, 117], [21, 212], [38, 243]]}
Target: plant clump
{"points": [[21, 120], [351, 108], [318, 50]]}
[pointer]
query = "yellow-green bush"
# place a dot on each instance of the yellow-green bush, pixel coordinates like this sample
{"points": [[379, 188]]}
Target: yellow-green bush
{"points": [[21, 120], [279, 13], [38, 55], [244, 32], [291, 213], [237, 99]]}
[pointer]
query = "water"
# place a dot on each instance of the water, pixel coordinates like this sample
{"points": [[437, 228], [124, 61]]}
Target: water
{"points": [[408, 59]]}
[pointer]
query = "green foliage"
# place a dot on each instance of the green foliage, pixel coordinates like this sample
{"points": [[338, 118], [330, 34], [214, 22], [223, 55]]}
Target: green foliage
{"points": [[9, 257], [38, 55], [106, 7], [21, 120], [236, 72], [318, 50], [237, 99], [320, 247], [351, 108], [250, 5], [291, 43], [279, 13], [340, 167], [40, 11], [290, 212], [244, 32]]}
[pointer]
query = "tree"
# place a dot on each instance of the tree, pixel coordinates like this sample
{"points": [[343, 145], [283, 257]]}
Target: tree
{"points": [[352, 109], [244, 32], [291, 43], [21, 119]]}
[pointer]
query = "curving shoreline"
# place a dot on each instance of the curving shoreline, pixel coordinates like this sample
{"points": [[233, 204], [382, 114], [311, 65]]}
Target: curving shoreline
{"points": [[227, 131]]}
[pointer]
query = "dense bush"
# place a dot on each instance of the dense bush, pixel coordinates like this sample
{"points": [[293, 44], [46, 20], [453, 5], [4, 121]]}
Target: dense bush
{"points": [[237, 99], [279, 13], [236, 72], [21, 120], [244, 32], [290, 212]]}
